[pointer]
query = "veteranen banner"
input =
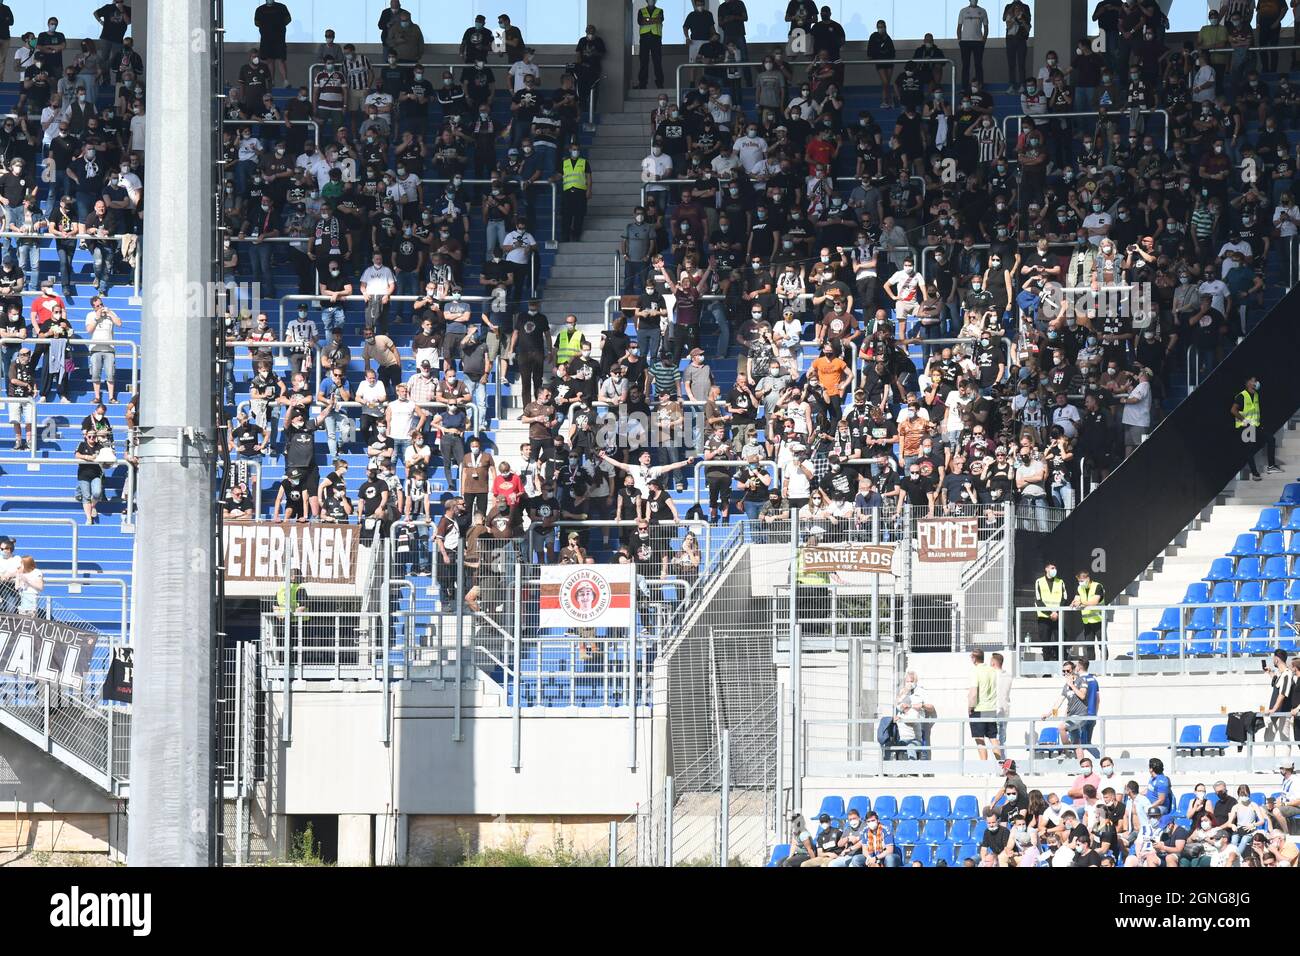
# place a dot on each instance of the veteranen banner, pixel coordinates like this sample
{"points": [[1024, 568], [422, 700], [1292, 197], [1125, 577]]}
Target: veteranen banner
{"points": [[586, 595], [948, 539], [256, 552], [45, 650]]}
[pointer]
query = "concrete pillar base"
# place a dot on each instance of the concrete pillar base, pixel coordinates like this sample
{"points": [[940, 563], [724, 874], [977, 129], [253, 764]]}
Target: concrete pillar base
{"points": [[356, 840]]}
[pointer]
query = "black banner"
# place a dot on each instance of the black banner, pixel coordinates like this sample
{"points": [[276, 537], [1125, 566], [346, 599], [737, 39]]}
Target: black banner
{"points": [[45, 650], [121, 675], [1132, 516]]}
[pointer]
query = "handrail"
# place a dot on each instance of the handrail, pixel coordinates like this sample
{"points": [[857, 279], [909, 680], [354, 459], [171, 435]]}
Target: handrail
{"points": [[128, 485], [133, 347], [95, 580], [540, 182], [31, 447], [729, 463], [80, 239], [361, 298], [1006, 121], [314, 124], [315, 68], [256, 345], [952, 66], [631, 523], [76, 532]]}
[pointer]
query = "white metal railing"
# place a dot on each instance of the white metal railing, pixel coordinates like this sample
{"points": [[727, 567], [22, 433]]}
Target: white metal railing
{"points": [[91, 344], [81, 239], [7, 520], [1037, 117], [541, 182], [315, 126]]}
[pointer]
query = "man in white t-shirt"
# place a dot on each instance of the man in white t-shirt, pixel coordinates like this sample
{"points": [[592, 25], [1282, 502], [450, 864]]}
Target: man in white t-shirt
{"points": [[1097, 223], [1137, 412], [972, 32], [521, 68], [907, 289], [1218, 292], [377, 286], [752, 148], [658, 165]]}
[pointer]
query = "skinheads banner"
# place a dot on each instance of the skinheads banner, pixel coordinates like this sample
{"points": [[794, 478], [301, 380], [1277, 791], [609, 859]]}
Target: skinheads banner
{"points": [[586, 595]]}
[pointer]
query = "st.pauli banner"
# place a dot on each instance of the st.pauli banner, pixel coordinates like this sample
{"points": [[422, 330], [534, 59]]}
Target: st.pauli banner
{"points": [[44, 650], [948, 539], [256, 553], [120, 682], [849, 558], [586, 595]]}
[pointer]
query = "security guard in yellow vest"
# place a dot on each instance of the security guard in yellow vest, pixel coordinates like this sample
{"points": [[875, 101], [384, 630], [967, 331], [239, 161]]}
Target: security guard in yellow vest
{"points": [[813, 600], [1049, 594], [568, 344], [1088, 594], [650, 34], [1245, 410], [575, 190]]}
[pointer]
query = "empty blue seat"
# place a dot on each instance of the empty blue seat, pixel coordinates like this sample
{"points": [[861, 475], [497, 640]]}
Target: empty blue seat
{"points": [[936, 831], [1067, 799], [1247, 569], [1272, 543], [1254, 616], [1290, 496], [861, 804], [1293, 591], [1218, 739], [938, 807], [1260, 643], [943, 853], [967, 851], [1204, 619], [1220, 570], [1250, 592], [966, 807], [1275, 569], [886, 807], [1189, 738], [1171, 619], [1244, 546], [779, 852], [907, 833], [1275, 591], [1224, 592], [960, 830], [1049, 741], [1270, 519], [1148, 644], [1257, 797], [980, 829], [834, 806], [1198, 592], [912, 807], [922, 853]]}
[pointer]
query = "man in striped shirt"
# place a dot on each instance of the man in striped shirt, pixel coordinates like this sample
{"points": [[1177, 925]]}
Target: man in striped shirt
{"points": [[666, 376], [328, 99], [360, 78]]}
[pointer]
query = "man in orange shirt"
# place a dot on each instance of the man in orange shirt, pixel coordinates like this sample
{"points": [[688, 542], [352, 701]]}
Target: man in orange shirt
{"points": [[911, 431], [833, 377]]}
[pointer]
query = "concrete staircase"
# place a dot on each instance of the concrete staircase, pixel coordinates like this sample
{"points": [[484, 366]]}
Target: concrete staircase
{"points": [[1211, 536]]}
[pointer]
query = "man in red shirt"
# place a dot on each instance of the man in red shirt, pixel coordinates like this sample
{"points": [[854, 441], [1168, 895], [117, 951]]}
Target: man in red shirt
{"points": [[42, 314], [821, 149]]}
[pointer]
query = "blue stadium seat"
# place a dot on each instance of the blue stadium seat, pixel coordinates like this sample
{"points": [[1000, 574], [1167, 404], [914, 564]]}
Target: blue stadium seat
{"points": [[1220, 570], [1271, 544], [1247, 569], [1225, 592], [1148, 644], [907, 833], [1049, 742], [1189, 738], [1244, 546], [861, 804], [938, 807], [966, 807], [1204, 619], [1198, 592], [1260, 643], [1217, 741], [1067, 799], [944, 853], [967, 851], [1290, 496], [980, 828], [886, 807], [1257, 797], [1293, 591], [832, 805], [922, 853], [1250, 592], [912, 807], [1254, 616], [1270, 519], [1185, 801], [779, 852], [1275, 591], [1171, 618], [936, 831], [1275, 569], [960, 830]]}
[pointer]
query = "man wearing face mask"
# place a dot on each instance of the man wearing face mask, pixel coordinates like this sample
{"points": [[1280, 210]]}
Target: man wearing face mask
{"points": [[1246, 415], [254, 82], [575, 191], [650, 34], [1049, 597], [476, 43], [272, 19]]}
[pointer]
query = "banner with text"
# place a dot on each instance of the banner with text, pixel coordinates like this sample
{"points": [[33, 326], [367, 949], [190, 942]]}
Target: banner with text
{"points": [[119, 685], [948, 539], [847, 558], [325, 555], [586, 595], [45, 650]]}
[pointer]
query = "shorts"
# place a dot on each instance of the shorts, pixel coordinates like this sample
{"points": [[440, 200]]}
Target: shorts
{"points": [[22, 413], [1074, 725], [91, 489], [905, 307], [103, 366], [983, 725]]}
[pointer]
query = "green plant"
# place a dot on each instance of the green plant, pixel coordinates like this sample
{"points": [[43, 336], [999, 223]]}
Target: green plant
{"points": [[560, 853], [304, 850]]}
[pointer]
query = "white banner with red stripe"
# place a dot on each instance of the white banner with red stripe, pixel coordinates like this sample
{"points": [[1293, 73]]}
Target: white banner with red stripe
{"points": [[586, 595]]}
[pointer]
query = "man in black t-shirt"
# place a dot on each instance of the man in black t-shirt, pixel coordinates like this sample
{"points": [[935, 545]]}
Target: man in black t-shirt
{"points": [[22, 384], [827, 842], [248, 440], [995, 839], [291, 497], [530, 343], [373, 499], [90, 474], [300, 448]]}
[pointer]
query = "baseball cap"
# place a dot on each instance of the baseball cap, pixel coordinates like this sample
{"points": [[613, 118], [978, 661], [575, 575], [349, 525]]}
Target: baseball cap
{"points": [[824, 818], [697, 351], [1286, 765]]}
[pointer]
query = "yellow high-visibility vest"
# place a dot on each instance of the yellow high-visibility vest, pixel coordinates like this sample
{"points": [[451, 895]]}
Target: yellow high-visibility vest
{"points": [[575, 174], [1249, 409], [650, 22], [1090, 615], [568, 345], [813, 578], [1050, 594]]}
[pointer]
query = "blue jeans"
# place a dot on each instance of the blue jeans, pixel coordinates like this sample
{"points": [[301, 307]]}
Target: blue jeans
{"points": [[243, 171], [752, 508], [66, 250], [259, 255], [648, 340], [103, 258], [479, 398], [1063, 496], [58, 189], [1084, 96], [332, 317], [333, 423], [495, 235], [408, 283], [1035, 508], [29, 260], [634, 273], [85, 204]]}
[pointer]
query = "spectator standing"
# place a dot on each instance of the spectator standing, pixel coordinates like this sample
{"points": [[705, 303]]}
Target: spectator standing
{"points": [[100, 325], [650, 34], [982, 703], [1092, 703], [10, 564], [272, 19], [1246, 414], [6, 26], [1088, 596], [972, 34], [575, 192], [29, 582], [1073, 702], [697, 28], [90, 473], [1278, 726], [1005, 682], [1016, 17], [381, 350], [377, 287]]}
